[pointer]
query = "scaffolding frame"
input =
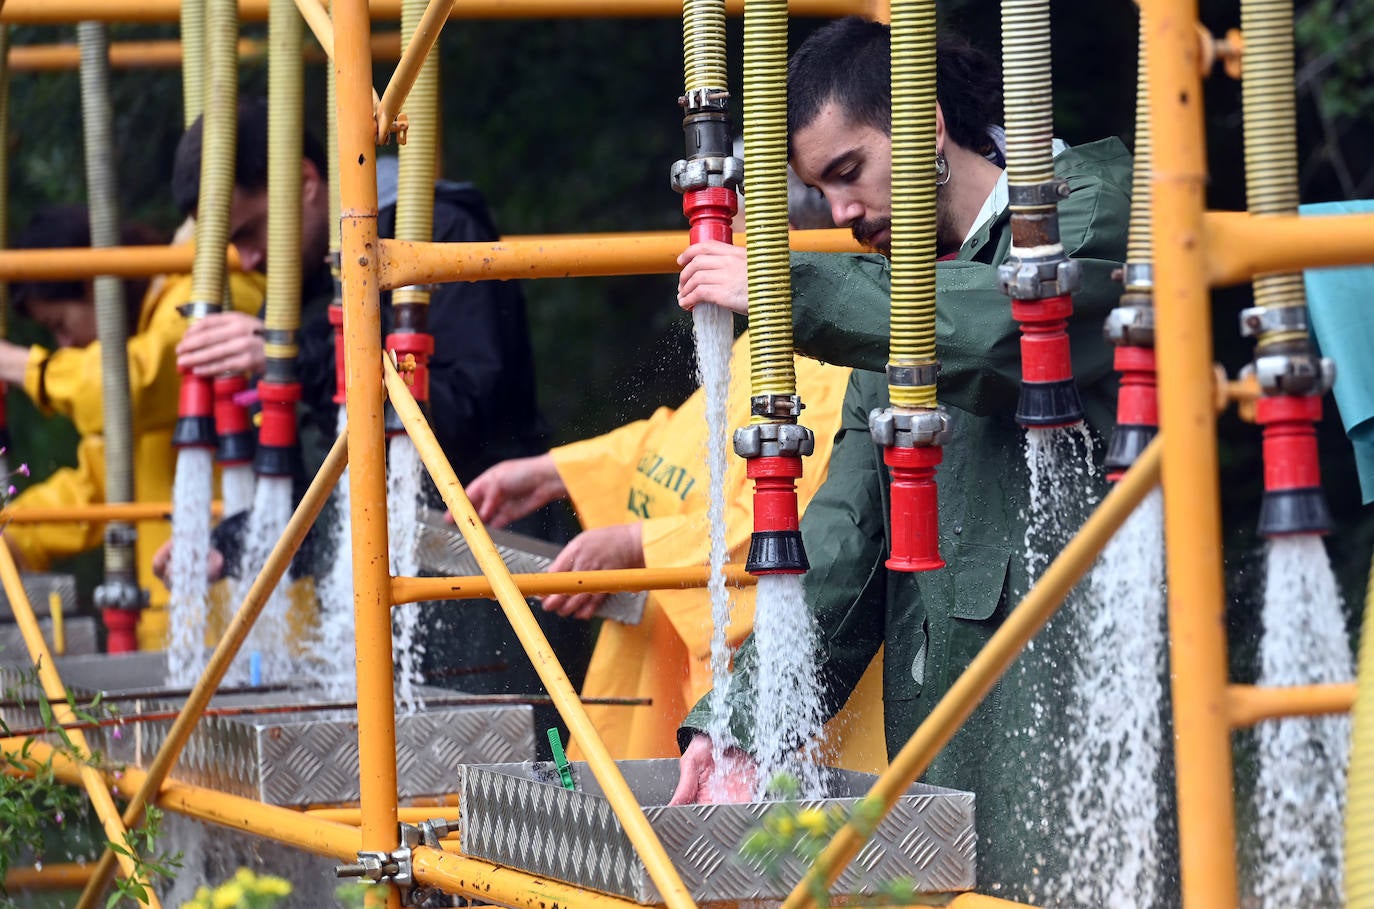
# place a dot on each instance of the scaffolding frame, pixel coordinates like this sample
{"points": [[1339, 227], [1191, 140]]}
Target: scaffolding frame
{"points": [[1194, 251]]}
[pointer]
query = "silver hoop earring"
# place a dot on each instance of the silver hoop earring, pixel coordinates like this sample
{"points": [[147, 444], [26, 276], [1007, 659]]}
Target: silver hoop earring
{"points": [[941, 170]]}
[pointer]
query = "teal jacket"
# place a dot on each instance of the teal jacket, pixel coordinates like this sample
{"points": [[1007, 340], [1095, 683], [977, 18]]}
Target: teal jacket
{"points": [[933, 623]]}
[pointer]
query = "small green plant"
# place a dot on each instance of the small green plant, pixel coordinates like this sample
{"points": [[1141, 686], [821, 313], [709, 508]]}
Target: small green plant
{"points": [[791, 830], [141, 847], [245, 890]]}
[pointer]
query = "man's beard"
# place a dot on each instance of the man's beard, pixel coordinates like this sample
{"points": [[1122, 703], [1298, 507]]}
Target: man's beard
{"points": [[948, 239]]}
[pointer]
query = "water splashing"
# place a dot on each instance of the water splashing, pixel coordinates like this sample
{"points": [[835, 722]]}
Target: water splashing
{"points": [[238, 483], [1300, 793], [1118, 730], [712, 329], [271, 638], [404, 485], [188, 610], [334, 669], [787, 709]]}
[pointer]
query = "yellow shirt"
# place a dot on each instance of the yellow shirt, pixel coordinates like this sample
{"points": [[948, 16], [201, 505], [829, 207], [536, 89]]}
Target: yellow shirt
{"points": [[654, 471], [68, 382]]}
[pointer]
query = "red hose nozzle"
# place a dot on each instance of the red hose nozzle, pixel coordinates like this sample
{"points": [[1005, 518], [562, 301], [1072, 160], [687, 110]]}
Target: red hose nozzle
{"points": [[232, 425], [121, 629], [912, 443], [1137, 409], [1049, 397], [1293, 501], [420, 346], [710, 211], [195, 426], [277, 454], [336, 320], [776, 545]]}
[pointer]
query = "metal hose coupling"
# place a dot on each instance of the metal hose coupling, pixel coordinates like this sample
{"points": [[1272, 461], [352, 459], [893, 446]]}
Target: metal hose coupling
{"points": [[1130, 328], [1290, 405], [118, 597], [913, 443], [1040, 280], [773, 453], [710, 176], [232, 423]]}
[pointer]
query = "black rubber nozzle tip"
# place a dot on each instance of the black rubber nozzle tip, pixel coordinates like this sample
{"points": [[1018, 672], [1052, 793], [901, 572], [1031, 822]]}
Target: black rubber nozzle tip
{"points": [[776, 552], [1292, 511], [1049, 404], [235, 448], [194, 432], [277, 461], [1128, 443]]}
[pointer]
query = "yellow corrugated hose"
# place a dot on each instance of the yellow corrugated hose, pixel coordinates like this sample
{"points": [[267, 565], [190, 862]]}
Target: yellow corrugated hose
{"points": [[1140, 243], [913, 196], [217, 151], [765, 150], [1359, 811], [192, 59], [1271, 143], [415, 191], [285, 110], [703, 42]]}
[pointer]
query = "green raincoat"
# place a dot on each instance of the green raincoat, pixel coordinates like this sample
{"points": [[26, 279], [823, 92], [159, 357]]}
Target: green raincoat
{"points": [[933, 623]]}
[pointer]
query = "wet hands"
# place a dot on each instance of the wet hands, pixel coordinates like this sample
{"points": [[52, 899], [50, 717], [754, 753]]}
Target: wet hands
{"points": [[602, 548], [510, 490], [699, 781], [223, 342], [162, 564], [713, 272]]}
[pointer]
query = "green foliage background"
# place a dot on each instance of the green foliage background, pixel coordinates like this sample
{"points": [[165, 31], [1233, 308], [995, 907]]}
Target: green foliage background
{"points": [[571, 125]]}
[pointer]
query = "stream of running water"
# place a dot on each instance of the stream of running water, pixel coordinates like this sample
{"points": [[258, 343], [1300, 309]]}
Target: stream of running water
{"points": [[333, 667], [238, 484], [1301, 787], [404, 489], [272, 641], [188, 610]]}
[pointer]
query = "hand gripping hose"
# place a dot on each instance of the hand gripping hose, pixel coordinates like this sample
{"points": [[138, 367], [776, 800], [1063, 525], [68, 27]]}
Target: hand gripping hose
{"points": [[1292, 378], [279, 390], [1131, 326], [410, 340], [913, 430], [195, 426], [774, 443], [118, 596], [1038, 276]]}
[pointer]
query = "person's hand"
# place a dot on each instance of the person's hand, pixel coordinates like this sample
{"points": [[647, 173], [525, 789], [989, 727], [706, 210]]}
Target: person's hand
{"points": [[162, 564], [14, 362], [617, 546], [510, 490], [713, 272], [700, 782], [223, 342]]}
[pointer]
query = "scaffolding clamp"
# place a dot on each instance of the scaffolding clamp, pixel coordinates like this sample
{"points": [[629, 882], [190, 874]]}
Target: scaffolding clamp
{"points": [[397, 867]]}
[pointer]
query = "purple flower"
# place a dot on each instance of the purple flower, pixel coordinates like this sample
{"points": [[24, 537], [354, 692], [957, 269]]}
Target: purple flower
{"points": [[11, 491], [24, 469], [58, 817], [116, 733]]}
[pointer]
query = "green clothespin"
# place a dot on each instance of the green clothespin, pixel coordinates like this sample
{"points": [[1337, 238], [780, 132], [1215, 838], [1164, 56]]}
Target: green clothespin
{"points": [[560, 760]]}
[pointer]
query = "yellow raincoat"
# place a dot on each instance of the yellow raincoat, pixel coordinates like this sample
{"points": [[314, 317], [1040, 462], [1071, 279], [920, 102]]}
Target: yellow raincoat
{"points": [[68, 382], [654, 471]]}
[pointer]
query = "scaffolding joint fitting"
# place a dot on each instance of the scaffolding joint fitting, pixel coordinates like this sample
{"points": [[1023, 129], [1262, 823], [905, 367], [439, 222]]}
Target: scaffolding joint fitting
{"points": [[776, 407], [1292, 374], [893, 428], [774, 440], [1130, 326], [400, 127], [395, 868], [1035, 278]]}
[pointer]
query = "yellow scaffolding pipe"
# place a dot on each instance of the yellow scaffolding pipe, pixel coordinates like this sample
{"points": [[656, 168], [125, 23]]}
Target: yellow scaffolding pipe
{"points": [[1192, 514], [1240, 245], [408, 68], [56, 693], [983, 671], [81, 262], [128, 511], [367, 451], [273, 569], [59, 12], [562, 256], [166, 54], [52, 876], [622, 801], [416, 590], [1249, 704]]}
